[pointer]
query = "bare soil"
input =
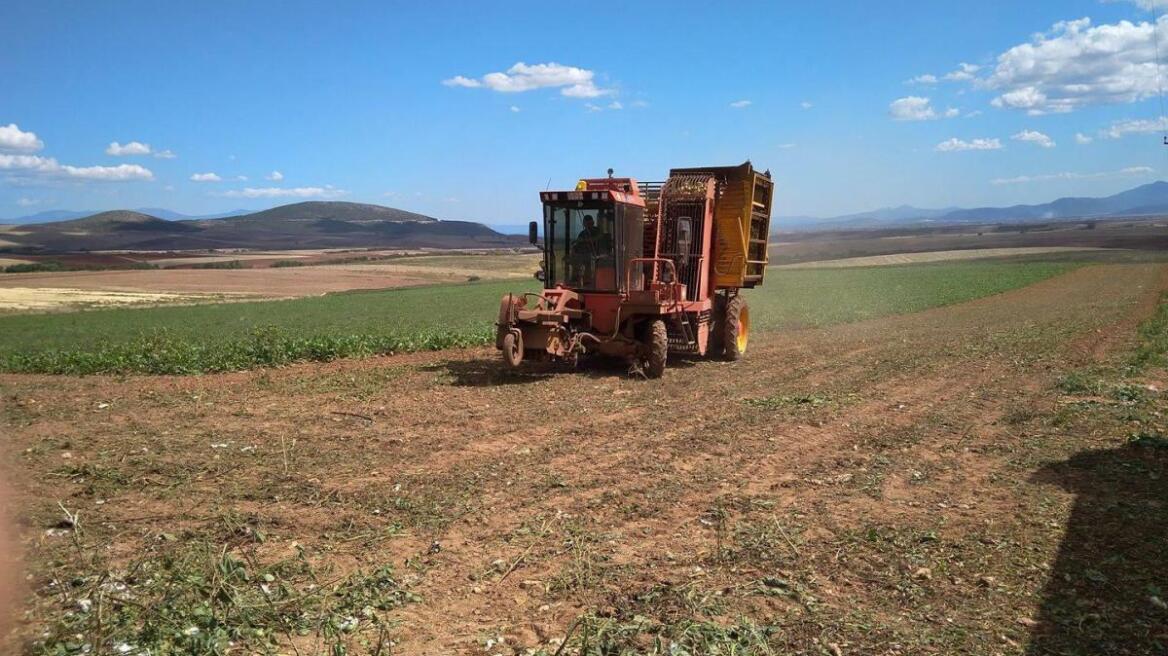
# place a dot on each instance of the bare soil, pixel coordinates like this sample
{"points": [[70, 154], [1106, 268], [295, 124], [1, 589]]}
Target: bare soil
{"points": [[880, 470], [814, 246], [66, 289]]}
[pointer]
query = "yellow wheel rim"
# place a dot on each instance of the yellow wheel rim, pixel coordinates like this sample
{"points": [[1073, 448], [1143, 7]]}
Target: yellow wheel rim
{"points": [[743, 329]]}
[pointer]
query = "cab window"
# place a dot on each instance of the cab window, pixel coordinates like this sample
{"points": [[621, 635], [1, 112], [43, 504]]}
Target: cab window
{"points": [[581, 242]]}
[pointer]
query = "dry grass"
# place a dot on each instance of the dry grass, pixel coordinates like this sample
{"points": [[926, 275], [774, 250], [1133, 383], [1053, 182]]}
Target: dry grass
{"points": [[68, 290]]}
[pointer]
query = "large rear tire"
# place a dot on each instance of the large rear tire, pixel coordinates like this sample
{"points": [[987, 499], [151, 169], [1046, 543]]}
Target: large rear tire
{"points": [[657, 346], [513, 348], [715, 347], [735, 329]]}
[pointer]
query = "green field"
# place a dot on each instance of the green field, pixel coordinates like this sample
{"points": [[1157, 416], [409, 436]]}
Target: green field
{"points": [[233, 336]]}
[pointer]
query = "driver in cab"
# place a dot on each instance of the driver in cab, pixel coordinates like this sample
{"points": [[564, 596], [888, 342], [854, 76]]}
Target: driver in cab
{"points": [[588, 241], [589, 245]]}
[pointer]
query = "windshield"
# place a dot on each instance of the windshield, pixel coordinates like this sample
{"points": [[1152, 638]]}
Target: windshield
{"points": [[581, 246]]}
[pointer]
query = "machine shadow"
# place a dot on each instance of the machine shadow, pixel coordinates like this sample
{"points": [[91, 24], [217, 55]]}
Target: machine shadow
{"points": [[1108, 588], [489, 372]]}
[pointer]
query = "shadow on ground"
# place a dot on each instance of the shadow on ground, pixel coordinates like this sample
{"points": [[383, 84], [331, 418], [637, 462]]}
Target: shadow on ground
{"points": [[482, 372], [1108, 590]]}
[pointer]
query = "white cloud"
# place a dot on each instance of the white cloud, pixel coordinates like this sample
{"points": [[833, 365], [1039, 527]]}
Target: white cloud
{"points": [[27, 163], [786, 146], [1127, 172], [806, 104], [640, 104], [588, 90], [165, 154], [614, 106], [515, 109], [926, 79], [1034, 137], [1075, 65], [739, 104], [964, 73], [48, 167], [1120, 129], [241, 178], [13, 138], [328, 191], [1082, 139], [23, 166], [461, 81], [27, 202], [206, 177], [119, 173], [125, 150], [911, 108], [916, 108], [571, 81], [1146, 5], [274, 176], [957, 145]]}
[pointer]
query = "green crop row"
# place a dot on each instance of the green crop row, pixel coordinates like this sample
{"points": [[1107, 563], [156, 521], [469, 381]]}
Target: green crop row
{"points": [[237, 336], [162, 352]]}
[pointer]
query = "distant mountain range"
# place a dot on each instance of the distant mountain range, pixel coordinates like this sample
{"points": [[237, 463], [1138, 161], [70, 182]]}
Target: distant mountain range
{"points": [[314, 224], [335, 224], [1149, 199]]}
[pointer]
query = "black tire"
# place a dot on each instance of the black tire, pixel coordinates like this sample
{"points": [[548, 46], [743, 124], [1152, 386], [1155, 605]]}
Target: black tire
{"points": [[735, 329], [657, 348], [513, 349], [717, 321]]}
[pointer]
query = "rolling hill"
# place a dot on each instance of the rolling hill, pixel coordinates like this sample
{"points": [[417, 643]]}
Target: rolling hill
{"points": [[1149, 199], [48, 216], [1146, 199], [114, 221], [313, 224]]}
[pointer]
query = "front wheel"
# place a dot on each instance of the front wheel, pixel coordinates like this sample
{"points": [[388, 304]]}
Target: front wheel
{"points": [[513, 348], [657, 346], [736, 328]]}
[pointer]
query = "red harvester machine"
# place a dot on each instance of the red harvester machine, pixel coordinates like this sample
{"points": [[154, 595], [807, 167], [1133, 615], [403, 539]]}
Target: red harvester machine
{"points": [[640, 270]]}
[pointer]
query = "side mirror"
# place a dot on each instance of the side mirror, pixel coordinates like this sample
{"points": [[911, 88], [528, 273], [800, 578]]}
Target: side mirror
{"points": [[533, 232], [539, 275]]}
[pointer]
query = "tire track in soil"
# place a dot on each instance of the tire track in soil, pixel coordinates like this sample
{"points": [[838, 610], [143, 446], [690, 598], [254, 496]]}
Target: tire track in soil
{"points": [[675, 446], [945, 390]]}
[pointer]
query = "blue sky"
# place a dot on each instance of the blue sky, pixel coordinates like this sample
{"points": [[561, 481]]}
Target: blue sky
{"points": [[466, 110]]}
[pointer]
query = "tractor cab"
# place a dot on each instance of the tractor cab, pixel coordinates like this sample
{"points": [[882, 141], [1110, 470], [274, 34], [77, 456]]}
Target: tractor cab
{"points": [[591, 236]]}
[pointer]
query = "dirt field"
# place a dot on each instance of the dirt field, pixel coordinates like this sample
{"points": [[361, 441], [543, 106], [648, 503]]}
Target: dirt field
{"points": [[815, 246], [934, 256], [42, 299], [181, 285], [872, 488]]}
